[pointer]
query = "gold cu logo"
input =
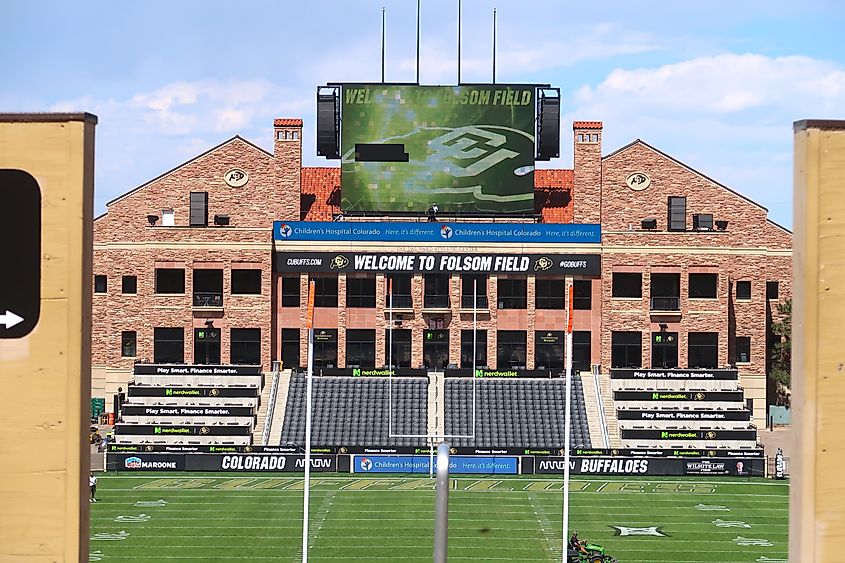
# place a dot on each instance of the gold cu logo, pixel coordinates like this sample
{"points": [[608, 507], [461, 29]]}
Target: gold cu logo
{"points": [[150, 448], [699, 396], [205, 430], [214, 392], [247, 449], [339, 262], [542, 264], [711, 435], [453, 451], [711, 453]]}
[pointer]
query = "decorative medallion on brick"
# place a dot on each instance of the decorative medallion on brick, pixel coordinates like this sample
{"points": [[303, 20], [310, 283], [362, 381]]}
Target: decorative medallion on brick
{"points": [[236, 177], [638, 181]]}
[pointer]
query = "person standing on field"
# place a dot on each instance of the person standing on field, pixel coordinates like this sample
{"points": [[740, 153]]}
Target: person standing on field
{"points": [[92, 484]]}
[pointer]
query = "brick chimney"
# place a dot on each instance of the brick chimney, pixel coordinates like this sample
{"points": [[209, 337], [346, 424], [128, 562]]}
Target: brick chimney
{"points": [[587, 168], [287, 153]]}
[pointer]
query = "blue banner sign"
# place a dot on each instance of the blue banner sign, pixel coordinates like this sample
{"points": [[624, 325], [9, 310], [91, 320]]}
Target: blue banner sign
{"points": [[436, 232], [420, 464]]}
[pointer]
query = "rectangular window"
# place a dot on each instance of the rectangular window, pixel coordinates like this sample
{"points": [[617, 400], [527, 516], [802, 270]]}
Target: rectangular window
{"points": [[513, 293], [199, 209], [627, 284], [170, 280], [582, 295], [168, 218], [246, 346], [399, 340], [361, 291], [664, 349], [325, 291], [129, 284], [246, 282], [771, 290], [290, 348], [325, 347], [290, 291], [478, 282], [128, 344], [743, 291], [208, 288], [581, 350], [549, 293], [743, 349], [548, 349], [398, 291], [511, 349], [480, 349], [169, 345], [436, 291], [100, 284], [703, 286], [665, 292], [703, 350], [677, 213], [207, 345], [361, 348], [626, 350]]}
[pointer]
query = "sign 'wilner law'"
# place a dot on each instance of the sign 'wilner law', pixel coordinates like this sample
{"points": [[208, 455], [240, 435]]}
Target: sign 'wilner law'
{"points": [[347, 262], [436, 232]]}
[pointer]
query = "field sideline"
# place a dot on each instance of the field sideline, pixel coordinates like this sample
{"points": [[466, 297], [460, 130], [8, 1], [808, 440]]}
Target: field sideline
{"points": [[204, 517]]}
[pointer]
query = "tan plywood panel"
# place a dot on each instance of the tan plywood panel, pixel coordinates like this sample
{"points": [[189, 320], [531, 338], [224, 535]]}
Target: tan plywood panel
{"points": [[817, 493], [45, 374]]}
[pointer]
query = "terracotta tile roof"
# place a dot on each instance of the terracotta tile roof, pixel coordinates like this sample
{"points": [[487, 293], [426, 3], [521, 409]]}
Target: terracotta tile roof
{"points": [[553, 195], [320, 196], [587, 125], [287, 122]]}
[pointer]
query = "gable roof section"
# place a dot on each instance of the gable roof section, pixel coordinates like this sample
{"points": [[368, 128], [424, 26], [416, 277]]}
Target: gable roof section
{"points": [[177, 167]]}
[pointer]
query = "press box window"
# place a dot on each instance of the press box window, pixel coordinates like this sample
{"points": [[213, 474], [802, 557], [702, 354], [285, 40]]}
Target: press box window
{"points": [[199, 209], [129, 284], [170, 280], [169, 345], [549, 294], [743, 291], [290, 291], [743, 349], [512, 293], [361, 348], [100, 284], [626, 350], [703, 350], [246, 346], [582, 299], [128, 343], [627, 285], [771, 290], [703, 286], [246, 282], [480, 348], [325, 291], [361, 292], [511, 349]]}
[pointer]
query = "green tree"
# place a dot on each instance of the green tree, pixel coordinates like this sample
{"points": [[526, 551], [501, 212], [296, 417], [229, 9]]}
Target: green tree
{"points": [[781, 366]]}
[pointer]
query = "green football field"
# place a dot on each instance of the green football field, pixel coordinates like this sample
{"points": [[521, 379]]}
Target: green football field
{"points": [[206, 517]]}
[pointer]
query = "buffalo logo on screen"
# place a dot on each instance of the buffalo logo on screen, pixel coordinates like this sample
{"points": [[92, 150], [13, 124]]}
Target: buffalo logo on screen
{"points": [[614, 452], [344, 450], [453, 451], [247, 449], [285, 231], [339, 262], [214, 392], [149, 448], [699, 396], [366, 464], [132, 463], [446, 232], [205, 430], [711, 453], [710, 435], [542, 264]]}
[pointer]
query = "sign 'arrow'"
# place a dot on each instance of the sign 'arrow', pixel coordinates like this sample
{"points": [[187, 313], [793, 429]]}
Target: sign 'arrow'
{"points": [[9, 319]]}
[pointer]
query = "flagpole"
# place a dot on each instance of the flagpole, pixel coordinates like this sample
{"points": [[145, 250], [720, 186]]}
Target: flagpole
{"points": [[309, 323], [474, 345], [390, 358], [567, 433]]}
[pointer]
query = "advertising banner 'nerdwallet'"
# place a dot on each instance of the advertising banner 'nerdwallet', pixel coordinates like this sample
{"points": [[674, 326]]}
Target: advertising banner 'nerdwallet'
{"points": [[465, 148]]}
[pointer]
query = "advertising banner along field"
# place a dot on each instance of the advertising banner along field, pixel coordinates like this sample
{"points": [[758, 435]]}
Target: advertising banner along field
{"points": [[464, 148]]}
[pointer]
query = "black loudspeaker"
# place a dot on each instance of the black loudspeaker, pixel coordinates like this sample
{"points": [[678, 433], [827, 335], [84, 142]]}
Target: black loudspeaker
{"points": [[328, 122], [548, 120], [650, 223]]}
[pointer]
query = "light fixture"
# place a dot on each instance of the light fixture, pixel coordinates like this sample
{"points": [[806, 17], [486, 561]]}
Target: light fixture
{"points": [[649, 223], [221, 220], [151, 219]]}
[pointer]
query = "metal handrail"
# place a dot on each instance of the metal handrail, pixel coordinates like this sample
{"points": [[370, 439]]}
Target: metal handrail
{"points": [[665, 303], [271, 407], [605, 435], [208, 299]]}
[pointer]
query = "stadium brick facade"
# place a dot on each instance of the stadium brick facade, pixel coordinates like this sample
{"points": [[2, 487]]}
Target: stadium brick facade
{"points": [[751, 248]]}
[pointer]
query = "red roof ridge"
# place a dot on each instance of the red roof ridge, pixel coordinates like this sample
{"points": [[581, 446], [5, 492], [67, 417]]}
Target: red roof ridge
{"points": [[587, 125], [287, 122]]}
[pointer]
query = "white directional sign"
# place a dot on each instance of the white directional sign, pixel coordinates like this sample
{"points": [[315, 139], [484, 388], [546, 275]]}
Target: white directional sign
{"points": [[9, 319]]}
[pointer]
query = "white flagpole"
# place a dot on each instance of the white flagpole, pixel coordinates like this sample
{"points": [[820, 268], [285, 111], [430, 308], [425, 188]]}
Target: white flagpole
{"points": [[390, 358], [307, 491], [567, 433], [474, 344]]}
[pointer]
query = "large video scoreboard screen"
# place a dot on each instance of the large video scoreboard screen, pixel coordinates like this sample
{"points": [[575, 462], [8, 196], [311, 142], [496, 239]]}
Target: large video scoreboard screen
{"points": [[463, 148]]}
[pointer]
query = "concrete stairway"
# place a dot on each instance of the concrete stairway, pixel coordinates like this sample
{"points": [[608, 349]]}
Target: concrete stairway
{"points": [[591, 404], [436, 404], [609, 410], [281, 406], [261, 415]]}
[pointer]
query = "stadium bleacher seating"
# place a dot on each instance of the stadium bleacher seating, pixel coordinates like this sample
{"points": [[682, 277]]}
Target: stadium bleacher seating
{"points": [[515, 413]]}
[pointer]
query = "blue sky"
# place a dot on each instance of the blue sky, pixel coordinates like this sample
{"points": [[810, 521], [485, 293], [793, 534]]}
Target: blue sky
{"points": [[715, 84]]}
